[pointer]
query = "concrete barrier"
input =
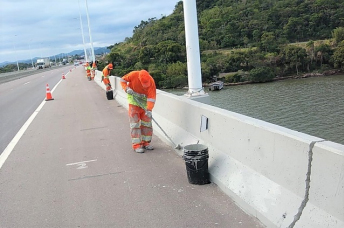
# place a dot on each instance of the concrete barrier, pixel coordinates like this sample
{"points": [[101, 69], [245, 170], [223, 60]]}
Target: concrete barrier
{"points": [[283, 177]]}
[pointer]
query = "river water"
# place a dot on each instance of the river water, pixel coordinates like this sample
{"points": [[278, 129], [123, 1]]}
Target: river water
{"points": [[314, 106]]}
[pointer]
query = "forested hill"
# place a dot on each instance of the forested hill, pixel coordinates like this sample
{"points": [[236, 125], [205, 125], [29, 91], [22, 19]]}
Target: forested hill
{"points": [[256, 34]]}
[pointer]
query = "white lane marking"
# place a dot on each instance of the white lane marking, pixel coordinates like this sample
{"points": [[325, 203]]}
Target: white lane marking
{"points": [[26, 83], [82, 164], [8, 150]]}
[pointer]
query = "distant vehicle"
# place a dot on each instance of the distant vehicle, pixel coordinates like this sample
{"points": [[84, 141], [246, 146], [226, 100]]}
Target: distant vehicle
{"points": [[42, 63], [64, 61], [76, 63]]}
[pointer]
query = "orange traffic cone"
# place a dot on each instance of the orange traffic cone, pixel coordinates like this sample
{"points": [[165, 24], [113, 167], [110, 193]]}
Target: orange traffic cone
{"points": [[63, 76], [48, 96]]}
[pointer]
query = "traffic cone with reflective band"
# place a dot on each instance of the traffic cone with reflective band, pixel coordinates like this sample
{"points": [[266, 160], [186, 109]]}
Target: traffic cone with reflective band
{"points": [[63, 76], [48, 96]]}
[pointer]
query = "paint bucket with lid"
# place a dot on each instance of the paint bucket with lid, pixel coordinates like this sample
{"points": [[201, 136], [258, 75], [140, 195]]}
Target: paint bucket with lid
{"points": [[196, 162]]}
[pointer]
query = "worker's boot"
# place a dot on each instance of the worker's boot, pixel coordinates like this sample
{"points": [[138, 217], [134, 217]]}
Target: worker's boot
{"points": [[148, 147], [139, 150]]}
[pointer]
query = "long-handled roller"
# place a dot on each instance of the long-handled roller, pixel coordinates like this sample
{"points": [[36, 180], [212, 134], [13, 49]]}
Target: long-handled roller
{"points": [[176, 146]]}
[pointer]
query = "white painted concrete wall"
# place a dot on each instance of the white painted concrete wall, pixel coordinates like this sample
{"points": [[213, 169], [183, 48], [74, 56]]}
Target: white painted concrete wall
{"points": [[261, 166]]}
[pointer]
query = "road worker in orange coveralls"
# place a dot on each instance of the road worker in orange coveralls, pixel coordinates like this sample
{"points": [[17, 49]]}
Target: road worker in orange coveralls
{"points": [[93, 70], [88, 71], [105, 77], [141, 90]]}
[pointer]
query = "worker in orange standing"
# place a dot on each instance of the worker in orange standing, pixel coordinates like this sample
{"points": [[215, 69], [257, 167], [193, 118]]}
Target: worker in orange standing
{"points": [[88, 71], [141, 90], [105, 77], [86, 65], [93, 70]]}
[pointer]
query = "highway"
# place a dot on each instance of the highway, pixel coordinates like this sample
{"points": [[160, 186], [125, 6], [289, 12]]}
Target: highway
{"points": [[20, 94], [74, 166]]}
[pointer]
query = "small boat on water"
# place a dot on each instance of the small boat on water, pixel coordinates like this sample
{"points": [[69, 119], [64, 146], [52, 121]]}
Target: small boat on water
{"points": [[218, 85]]}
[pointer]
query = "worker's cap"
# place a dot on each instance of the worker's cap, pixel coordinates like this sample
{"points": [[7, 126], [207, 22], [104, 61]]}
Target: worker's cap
{"points": [[110, 66], [144, 78]]}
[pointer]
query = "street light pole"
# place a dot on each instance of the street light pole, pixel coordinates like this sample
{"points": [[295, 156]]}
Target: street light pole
{"points": [[40, 45], [89, 31], [15, 52], [82, 32], [192, 49], [31, 54]]}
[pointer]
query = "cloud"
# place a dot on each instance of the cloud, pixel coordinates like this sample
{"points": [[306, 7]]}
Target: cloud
{"points": [[35, 28]]}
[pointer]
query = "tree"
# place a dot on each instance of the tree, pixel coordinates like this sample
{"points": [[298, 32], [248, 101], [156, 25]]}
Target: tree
{"points": [[177, 74], [310, 52], [323, 53], [294, 56], [146, 54], [261, 74], [338, 56], [294, 28], [268, 42], [338, 34], [169, 52]]}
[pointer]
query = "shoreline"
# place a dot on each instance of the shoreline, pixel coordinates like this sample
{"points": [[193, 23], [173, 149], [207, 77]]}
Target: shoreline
{"points": [[306, 75]]}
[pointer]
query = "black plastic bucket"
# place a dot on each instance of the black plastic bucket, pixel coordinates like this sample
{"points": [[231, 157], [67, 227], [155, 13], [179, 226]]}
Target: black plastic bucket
{"points": [[196, 162]]}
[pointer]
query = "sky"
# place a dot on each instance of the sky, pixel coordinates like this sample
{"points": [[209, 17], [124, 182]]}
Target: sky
{"points": [[42, 28]]}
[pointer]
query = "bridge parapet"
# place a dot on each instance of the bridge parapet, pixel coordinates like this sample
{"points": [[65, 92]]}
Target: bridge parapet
{"points": [[281, 176]]}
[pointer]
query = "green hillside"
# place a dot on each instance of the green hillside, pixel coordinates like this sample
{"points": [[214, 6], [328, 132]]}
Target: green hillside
{"points": [[258, 39]]}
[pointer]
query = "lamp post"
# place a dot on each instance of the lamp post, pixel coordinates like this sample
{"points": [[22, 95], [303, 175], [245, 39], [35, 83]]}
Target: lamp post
{"points": [[40, 45], [89, 31], [31, 53], [15, 52], [82, 32], [192, 49]]}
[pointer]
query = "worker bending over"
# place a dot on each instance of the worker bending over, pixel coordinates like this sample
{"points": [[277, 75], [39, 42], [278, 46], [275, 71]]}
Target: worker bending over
{"points": [[141, 90], [105, 77]]}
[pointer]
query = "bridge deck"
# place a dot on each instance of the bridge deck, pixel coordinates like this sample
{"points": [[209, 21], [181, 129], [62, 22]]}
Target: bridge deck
{"points": [[74, 167]]}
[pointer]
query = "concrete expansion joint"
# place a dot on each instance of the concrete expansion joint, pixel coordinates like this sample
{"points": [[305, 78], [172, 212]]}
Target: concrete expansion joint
{"points": [[308, 184]]}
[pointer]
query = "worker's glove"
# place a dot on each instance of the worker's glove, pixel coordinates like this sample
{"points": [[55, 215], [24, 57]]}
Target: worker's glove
{"points": [[149, 114], [102, 78], [129, 91]]}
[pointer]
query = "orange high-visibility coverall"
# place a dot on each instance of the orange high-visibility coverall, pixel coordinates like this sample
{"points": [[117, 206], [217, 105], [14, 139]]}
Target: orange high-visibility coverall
{"points": [[106, 74], [93, 70], [88, 72], [140, 82]]}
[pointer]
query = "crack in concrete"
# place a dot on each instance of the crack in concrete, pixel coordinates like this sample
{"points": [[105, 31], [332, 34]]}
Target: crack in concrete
{"points": [[99, 175], [94, 128], [308, 184]]}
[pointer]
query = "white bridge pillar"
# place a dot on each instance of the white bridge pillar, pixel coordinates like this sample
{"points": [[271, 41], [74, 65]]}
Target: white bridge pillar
{"points": [[192, 50]]}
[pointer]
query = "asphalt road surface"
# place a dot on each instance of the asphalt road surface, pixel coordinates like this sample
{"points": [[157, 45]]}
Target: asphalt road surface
{"points": [[21, 95], [74, 167]]}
